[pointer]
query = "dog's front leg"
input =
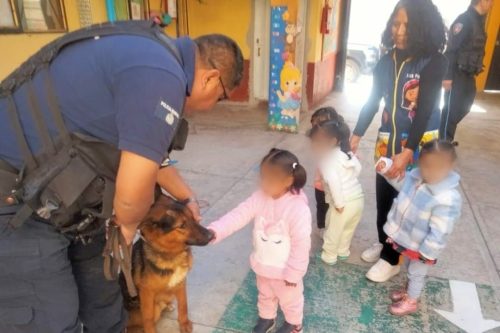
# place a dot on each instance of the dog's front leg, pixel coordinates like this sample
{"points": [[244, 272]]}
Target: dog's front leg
{"points": [[185, 324], [147, 298]]}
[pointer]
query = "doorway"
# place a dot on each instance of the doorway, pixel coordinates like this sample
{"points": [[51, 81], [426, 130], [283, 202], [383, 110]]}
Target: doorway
{"points": [[367, 21], [261, 46], [260, 56], [493, 81]]}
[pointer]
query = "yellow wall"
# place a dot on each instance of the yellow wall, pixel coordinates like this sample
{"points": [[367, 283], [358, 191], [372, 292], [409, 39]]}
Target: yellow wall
{"points": [[18, 47], [230, 17], [492, 25], [314, 36]]}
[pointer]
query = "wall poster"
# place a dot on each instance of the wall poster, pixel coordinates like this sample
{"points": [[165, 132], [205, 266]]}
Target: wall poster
{"points": [[285, 79]]}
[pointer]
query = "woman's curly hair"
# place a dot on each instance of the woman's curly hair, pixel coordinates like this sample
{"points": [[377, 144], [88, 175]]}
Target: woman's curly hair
{"points": [[426, 30]]}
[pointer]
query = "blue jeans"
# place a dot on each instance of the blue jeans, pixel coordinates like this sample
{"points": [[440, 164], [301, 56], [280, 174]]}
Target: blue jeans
{"points": [[49, 284]]}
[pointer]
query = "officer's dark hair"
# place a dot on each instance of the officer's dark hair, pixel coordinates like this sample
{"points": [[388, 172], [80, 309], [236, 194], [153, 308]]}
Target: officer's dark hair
{"points": [[325, 114], [222, 52], [426, 30], [439, 146], [337, 129], [474, 2], [289, 164]]}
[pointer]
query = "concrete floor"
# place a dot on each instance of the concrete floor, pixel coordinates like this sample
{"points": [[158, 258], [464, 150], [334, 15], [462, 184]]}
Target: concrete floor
{"points": [[221, 163]]}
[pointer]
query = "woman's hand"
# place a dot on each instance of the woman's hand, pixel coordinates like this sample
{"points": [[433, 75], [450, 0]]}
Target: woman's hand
{"points": [[355, 139], [290, 284], [400, 162]]}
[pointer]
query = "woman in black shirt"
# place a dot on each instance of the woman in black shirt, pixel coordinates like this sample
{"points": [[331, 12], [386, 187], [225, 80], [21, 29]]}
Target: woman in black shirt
{"points": [[408, 78]]}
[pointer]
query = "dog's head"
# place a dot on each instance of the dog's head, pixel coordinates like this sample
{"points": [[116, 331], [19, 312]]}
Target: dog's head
{"points": [[171, 225]]}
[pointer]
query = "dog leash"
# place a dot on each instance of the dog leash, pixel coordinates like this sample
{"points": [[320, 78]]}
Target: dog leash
{"points": [[117, 257]]}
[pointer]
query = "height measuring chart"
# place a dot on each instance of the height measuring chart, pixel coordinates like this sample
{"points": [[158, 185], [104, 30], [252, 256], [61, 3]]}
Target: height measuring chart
{"points": [[285, 79]]}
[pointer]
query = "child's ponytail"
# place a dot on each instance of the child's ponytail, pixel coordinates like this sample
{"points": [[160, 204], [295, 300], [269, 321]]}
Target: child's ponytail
{"points": [[299, 177], [344, 137], [289, 163]]}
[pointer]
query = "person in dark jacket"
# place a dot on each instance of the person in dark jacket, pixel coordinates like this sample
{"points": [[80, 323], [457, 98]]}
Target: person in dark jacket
{"points": [[408, 78], [130, 93], [465, 54]]}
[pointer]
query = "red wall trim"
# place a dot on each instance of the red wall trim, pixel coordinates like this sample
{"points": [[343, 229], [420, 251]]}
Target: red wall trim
{"points": [[320, 79], [241, 93]]}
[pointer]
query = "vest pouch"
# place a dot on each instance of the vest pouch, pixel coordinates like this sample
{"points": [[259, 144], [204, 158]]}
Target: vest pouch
{"points": [[58, 198], [470, 62], [86, 185], [180, 137]]}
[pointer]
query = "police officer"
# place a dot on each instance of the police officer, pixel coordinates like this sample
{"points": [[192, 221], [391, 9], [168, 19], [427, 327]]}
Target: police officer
{"points": [[465, 53], [127, 91]]}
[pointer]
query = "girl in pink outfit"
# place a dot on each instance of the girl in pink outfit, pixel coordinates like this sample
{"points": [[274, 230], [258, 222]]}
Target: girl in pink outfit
{"points": [[281, 239]]}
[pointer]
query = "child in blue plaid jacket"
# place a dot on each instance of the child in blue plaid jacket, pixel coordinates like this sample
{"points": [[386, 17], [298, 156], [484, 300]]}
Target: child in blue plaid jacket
{"points": [[422, 217]]}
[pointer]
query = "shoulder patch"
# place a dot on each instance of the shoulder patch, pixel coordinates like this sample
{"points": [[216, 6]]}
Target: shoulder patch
{"points": [[166, 113], [457, 27]]}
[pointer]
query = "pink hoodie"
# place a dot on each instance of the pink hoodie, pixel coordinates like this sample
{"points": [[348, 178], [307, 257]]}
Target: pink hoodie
{"points": [[281, 234]]}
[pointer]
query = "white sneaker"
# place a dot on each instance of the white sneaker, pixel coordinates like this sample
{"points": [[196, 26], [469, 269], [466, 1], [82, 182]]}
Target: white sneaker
{"points": [[382, 271], [372, 253]]}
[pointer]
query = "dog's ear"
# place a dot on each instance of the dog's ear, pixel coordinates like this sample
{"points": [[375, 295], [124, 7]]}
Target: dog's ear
{"points": [[171, 213], [163, 201]]}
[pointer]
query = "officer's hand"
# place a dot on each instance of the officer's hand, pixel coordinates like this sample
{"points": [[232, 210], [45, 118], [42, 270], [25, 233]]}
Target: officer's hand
{"points": [[195, 209], [128, 232], [447, 85]]}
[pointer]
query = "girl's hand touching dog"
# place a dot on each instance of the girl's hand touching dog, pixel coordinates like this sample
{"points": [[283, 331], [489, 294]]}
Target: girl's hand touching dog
{"points": [[290, 284]]}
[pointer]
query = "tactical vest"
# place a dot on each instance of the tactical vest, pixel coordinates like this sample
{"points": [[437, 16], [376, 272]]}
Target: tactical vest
{"points": [[400, 87], [71, 182], [470, 56]]}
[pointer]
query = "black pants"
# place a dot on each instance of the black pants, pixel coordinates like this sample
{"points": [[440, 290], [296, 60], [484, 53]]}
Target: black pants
{"points": [[457, 104], [321, 208], [385, 197], [51, 285]]}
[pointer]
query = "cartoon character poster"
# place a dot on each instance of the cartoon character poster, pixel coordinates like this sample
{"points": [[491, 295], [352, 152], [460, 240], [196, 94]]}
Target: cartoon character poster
{"points": [[285, 88]]}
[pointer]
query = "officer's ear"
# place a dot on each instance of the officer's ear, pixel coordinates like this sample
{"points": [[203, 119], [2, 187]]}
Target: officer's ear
{"points": [[210, 79]]}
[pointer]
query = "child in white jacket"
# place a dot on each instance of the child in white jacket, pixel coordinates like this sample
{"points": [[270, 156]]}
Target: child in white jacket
{"points": [[340, 170]]}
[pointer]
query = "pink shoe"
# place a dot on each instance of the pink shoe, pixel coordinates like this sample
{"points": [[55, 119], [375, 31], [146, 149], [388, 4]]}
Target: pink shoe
{"points": [[398, 295], [404, 307]]}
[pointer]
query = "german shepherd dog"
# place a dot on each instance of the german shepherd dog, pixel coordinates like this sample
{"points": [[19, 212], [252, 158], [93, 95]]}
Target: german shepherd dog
{"points": [[161, 260]]}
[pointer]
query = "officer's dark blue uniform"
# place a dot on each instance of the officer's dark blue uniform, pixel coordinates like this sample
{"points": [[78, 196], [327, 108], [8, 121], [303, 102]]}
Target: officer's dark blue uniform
{"points": [[125, 90], [465, 53]]}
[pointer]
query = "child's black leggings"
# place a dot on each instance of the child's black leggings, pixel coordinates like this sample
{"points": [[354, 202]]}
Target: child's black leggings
{"points": [[321, 208], [385, 197]]}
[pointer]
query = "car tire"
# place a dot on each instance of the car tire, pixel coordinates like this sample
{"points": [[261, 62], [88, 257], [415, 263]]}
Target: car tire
{"points": [[352, 71]]}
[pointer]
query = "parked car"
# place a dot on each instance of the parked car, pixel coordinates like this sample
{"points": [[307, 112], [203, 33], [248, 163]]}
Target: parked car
{"points": [[361, 59]]}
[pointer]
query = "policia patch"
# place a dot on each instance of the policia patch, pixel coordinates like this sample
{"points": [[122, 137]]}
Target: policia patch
{"points": [[457, 27]]}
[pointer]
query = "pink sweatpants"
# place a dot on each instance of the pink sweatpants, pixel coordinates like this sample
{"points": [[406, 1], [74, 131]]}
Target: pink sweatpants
{"points": [[273, 292]]}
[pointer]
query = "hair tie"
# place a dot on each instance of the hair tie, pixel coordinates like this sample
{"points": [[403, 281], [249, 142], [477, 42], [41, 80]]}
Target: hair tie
{"points": [[294, 165]]}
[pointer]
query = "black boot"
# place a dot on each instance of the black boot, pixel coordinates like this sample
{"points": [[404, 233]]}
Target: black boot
{"points": [[264, 326], [289, 328]]}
